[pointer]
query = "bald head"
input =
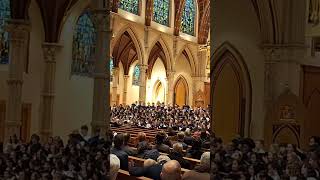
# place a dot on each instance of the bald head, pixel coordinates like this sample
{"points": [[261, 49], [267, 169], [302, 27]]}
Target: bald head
{"points": [[171, 170]]}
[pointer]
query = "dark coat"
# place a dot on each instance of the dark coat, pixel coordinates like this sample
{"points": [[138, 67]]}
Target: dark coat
{"points": [[179, 157], [129, 150], [123, 157], [152, 172]]}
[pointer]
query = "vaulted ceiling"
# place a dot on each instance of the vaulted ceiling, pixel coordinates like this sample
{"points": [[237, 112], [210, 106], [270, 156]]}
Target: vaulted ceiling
{"points": [[124, 52]]}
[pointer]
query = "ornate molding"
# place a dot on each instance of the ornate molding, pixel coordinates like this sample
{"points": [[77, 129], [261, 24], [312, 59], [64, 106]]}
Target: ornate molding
{"points": [[278, 53]]}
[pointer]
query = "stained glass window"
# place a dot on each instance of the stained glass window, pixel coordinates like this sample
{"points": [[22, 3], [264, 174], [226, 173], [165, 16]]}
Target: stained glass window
{"points": [[84, 40], [4, 36], [136, 76], [161, 11], [111, 69], [131, 6], [188, 17]]}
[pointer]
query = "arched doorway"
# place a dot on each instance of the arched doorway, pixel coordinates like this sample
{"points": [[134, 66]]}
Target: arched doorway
{"points": [[158, 93], [181, 92], [231, 97]]}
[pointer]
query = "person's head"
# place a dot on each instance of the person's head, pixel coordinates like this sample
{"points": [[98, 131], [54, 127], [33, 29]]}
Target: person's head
{"points": [[126, 138], [259, 144], [118, 141], [163, 159], [149, 162], [235, 165], [180, 136], [84, 130], [141, 136], [114, 166], [35, 138], [160, 137], [205, 159], [187, 132], [314, 141], [171, 170], [177, 147]]}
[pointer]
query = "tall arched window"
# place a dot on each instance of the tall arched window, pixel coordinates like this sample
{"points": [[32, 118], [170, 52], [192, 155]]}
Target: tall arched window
{"points": [[4, 36], [131, 6], [136, 76], [188, 17], [161, 11], [84, 40], [111, 69]]}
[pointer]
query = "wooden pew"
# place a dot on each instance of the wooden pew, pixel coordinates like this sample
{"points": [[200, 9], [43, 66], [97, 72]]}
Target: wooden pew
{"points": [[124, 175]]}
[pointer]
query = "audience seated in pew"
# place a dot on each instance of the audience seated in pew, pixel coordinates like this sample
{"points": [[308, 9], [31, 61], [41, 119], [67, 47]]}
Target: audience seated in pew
{"points": [[177, 154], [150, 169], [117, 150], [126, 148]]}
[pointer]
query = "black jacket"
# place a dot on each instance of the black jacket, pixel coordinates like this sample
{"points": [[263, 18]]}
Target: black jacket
{"points": [[152, 172], [123, 157]]}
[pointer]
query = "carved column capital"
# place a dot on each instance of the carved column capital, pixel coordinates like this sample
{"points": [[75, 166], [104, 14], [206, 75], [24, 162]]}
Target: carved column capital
{"points": [[19, 30], [49, 51]]}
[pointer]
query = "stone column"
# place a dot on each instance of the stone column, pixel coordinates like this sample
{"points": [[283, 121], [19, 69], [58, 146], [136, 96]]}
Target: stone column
{"points": [[19, 30], [125, 89], [142, 88], [170, 87], [47, 95], [101, 75], [115, 85]]}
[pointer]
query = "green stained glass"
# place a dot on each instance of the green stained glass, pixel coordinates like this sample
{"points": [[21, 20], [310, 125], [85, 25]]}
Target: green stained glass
{"points": [[4, 36], [136, 76], [161, 9], [84, 40], [188, 18], [131, 6]]}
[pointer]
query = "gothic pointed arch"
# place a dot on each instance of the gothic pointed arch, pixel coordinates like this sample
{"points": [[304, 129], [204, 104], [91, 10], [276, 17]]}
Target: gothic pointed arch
{"points": [[134, 37], [181, 91], [185, 51], [231, 83]]}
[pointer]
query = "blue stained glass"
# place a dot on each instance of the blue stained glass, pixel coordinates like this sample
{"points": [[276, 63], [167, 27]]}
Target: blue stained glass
{"points": [[188, 17], [84, 40], [131, 6], [136, 76], [111, 69], [161, 11], [4, 36]]}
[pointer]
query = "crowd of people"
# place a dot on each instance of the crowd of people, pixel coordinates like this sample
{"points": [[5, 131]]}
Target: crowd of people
{"points": [[82, 158], [161, 116], [181, 132]]}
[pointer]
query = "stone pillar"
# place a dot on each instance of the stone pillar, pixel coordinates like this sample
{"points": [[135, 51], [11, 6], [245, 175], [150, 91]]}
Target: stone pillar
{"points": [[19, 30], [47, 95], [115, 85], [170, 88], [101, 75], [125, 89], [142, 88]]}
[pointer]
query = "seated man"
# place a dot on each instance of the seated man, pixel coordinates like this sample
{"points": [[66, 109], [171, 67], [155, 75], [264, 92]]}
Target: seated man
{"points": [[126, 148], [150, 169], [171, 170], [177, 154], [160, 146], [181, 139], [200, 172], [123, 156], [114, 166]]}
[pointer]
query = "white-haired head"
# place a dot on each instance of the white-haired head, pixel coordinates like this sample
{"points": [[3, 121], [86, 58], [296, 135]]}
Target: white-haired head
{"points": [[114, 166], [205, 159]]}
